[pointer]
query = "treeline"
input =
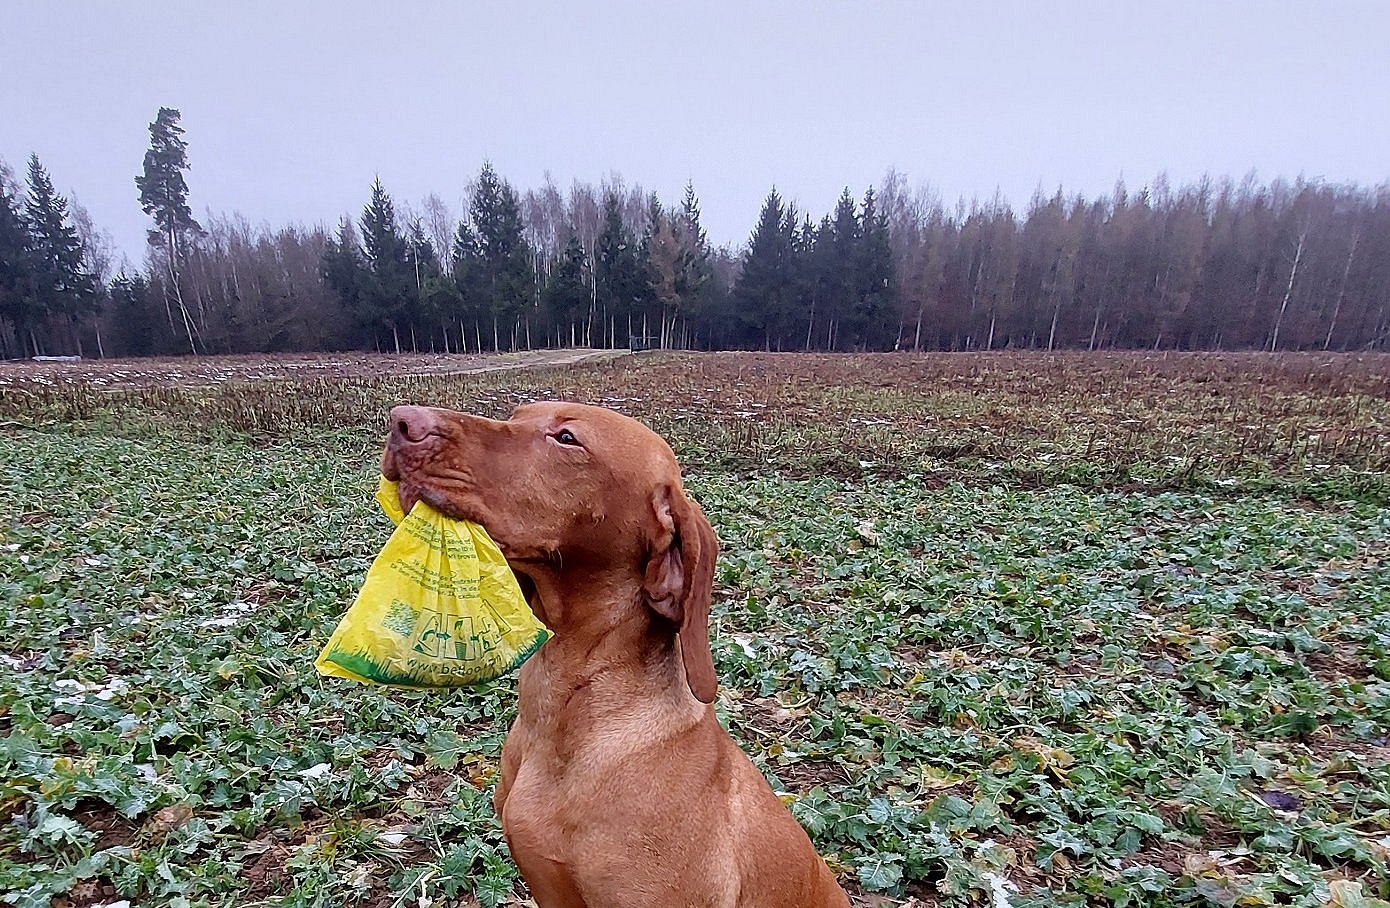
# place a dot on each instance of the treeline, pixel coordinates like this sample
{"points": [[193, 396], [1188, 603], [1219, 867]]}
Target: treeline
{"points": [[1213, 265], [521, 272]]}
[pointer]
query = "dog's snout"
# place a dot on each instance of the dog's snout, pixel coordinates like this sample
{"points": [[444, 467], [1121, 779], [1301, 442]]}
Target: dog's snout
{"points": [[411, 424]]}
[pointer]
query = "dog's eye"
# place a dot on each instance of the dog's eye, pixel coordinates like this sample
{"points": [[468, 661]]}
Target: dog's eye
{"points": [[566, 437]]}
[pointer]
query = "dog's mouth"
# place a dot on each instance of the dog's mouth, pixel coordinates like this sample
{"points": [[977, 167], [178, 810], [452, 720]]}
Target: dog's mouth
{"points": [[528, 590], [410, 489], [407, 470], [410, 492], [413, 483], [389, 468]]}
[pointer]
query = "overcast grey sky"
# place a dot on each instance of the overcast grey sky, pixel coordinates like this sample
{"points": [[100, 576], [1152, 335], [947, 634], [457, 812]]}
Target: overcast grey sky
{"points": [[290, 108]]}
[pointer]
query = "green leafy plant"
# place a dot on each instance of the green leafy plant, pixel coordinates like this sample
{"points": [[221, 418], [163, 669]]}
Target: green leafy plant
{"points": [[983, 675]]}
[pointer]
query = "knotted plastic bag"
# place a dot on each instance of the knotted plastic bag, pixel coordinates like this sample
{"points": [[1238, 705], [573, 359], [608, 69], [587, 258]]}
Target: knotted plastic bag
{"points": [[439, 608]]}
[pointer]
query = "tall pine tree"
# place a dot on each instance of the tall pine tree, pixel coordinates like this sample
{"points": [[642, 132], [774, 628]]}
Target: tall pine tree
{"points": [[662, 257], [387, 293], [766, 289], [874, 325], [839, 259], [17, 306], [468, 278], [164, 196], [693, 282], [697, 271], [567, 294], [806, 274], [620, 282], [507, 278], [344, 270], [61, 289]]}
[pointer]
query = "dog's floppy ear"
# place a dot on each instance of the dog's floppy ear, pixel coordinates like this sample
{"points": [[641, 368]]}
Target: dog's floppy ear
{"points": [[680, 579]]}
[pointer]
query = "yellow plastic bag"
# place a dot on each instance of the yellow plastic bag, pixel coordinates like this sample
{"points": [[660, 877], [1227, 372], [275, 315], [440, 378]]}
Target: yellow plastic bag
{"points": [[439, 608]]}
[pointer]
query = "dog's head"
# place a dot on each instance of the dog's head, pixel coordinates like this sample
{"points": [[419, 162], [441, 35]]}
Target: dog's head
{"points": [[568, 490]]}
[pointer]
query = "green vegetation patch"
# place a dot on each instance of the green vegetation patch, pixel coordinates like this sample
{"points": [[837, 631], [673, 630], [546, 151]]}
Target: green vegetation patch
{"points": [[966, 692]]}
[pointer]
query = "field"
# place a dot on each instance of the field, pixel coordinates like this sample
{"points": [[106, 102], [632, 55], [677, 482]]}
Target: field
{"points": [[1004, 630]]}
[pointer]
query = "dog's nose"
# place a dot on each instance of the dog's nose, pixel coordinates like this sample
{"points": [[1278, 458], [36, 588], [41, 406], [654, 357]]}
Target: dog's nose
{"points": [[410, 424]]}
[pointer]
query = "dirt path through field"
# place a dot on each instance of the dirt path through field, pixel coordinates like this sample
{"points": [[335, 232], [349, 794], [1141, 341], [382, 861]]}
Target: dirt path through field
{"points": [[191, 371], [545, 358]]}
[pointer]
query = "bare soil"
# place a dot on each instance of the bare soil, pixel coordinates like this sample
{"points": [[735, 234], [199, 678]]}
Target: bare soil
{"points": [[194, 371]]}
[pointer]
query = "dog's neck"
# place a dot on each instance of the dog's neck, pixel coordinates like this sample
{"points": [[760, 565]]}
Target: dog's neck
{"points": [[606, 638]]}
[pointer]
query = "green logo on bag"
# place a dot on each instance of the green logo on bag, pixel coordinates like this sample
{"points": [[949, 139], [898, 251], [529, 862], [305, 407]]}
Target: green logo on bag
{"points": [[463, 638]]}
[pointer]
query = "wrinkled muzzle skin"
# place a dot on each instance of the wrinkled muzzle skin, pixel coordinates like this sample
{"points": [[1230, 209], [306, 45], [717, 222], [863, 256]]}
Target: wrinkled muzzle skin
{"points": [[536, 482], [526, 488], [576, 497]]}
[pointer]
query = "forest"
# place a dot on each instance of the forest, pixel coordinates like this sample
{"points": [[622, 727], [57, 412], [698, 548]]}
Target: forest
{"points": [[1218, 264]]}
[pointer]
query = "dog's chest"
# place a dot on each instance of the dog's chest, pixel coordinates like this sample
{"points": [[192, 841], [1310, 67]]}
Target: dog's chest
{"points": [[532, 816], [576, 840], [568, 789]]}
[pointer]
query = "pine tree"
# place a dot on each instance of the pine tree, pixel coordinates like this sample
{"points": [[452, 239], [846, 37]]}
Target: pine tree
{"points": [[466, 269], [696, 268], [839, 259], [661, 256], [59, 284], [806, 275], [387, 295], [826, 268], [697, 271], [344, 270], [16, 296], [567, 294], [690, 220], [873, 322], [620, 281], [163, 189], [507, 281], [658, 263], [136, 321], [164, 196], [787, 315], [438, 298], [766, 290]]}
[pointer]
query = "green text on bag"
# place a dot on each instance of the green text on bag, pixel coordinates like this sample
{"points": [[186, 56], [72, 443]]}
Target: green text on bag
{"points": [[439, 608]]}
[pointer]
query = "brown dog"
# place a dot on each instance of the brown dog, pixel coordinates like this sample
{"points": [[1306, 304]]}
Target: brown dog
{"points": [[618, 788]]}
